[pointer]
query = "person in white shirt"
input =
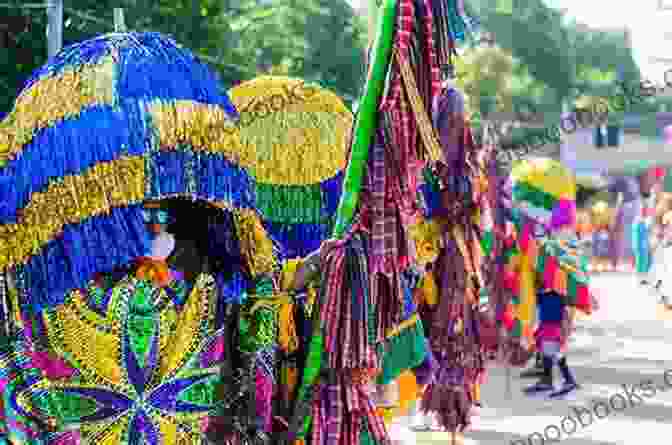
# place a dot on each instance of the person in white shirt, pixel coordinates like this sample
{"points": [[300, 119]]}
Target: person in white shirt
{"points": [[662, 257]]}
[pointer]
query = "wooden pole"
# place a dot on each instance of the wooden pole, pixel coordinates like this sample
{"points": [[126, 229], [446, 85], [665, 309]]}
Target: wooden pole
{"points": [[54, 27], [119, 23]]}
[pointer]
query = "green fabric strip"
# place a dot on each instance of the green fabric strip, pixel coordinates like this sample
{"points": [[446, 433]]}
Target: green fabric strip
{"points": [[541, 263], [365, 436], [487, 241], [571, 288], [404, 351], [533, 195], [291, 204]]}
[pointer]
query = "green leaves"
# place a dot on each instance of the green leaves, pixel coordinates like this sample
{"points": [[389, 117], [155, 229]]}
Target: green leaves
{"points": [[314, 39]]}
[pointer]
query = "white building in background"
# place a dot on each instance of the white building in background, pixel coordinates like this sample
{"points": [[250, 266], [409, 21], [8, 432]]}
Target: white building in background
{"points": [[652, 41]]}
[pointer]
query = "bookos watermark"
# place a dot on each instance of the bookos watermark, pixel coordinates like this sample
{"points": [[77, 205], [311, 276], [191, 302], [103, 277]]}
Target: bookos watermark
{"points": [[595, 113], [582, 417]]}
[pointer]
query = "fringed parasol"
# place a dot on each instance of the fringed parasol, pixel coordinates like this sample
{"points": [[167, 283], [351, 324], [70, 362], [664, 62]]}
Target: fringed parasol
{"points": [[538, 185], [295, 135], [106, 125]]}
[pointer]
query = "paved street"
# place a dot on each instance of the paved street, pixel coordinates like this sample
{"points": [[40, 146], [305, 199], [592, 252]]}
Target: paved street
{"points": [[626, 343]]}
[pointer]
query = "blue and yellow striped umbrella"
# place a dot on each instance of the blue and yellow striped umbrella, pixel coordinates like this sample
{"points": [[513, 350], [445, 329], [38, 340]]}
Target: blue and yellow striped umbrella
{"points": [[106, 125]]}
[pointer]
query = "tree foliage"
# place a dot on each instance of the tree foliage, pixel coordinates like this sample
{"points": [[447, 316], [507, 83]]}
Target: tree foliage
{"points": [[486, 73], [320, 40], [561, 55]]}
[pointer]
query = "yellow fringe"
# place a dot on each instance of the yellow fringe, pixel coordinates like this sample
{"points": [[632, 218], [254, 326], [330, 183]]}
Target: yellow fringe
{"points": [[55, 98], [402, 326], [256, 246], [288, 134], [287, 336], [430, 291], [292, 133], [95, 192]]}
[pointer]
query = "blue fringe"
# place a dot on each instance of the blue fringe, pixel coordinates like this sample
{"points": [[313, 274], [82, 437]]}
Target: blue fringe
{"points": [[214, 178], [409, 281], [298, 240], [99, 244], [301, 239], [154, 67], [150, 65], [331, 193], [106, 132], [88, 52], [432, 200]]}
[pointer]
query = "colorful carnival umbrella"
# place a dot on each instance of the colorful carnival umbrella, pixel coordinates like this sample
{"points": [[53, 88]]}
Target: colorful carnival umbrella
{"points": [[106, 125], [538, 184], [295, 136]]}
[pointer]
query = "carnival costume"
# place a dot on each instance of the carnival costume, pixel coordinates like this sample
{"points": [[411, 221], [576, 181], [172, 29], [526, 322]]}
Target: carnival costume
{"points": [[540, 261], [106, 127]]}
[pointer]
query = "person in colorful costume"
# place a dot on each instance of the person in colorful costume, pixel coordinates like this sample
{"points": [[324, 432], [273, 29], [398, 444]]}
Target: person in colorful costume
{"points": [[628, 209], [541, 261], [555, 317], [601, 221], [650, 183], [662, 256], [635, 216], [183, 338]]}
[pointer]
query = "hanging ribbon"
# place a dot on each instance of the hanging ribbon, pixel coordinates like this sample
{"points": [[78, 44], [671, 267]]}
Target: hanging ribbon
{"points": [[366, 119], [363, 133], [429, 139]]}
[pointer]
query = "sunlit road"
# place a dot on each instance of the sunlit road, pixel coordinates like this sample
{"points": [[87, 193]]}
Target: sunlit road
{"points": [[627, 342]]}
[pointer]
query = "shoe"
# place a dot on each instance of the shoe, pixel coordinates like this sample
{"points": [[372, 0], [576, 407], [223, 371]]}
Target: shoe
{"points": [[566, 388], [532, 373], [658, 284], [537, 388], [644, 283]]}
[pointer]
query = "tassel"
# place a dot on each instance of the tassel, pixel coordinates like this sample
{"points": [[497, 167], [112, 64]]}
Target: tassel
{"points": [[289, 270], [430, 290], [291, 375], [287, 336]]}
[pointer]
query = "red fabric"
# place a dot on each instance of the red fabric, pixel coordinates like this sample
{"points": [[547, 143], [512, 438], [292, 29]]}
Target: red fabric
{"points": [[549, 332], [584, 302], [550, 269], [405, 21], [435, 75]]}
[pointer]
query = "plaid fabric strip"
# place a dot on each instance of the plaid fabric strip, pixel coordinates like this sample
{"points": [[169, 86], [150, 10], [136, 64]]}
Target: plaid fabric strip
{"points": [[347, 328], [431, 55], [374, 421], [332, 312], [383, 215], [405, 22], [342, 411], [318, 423], [358, 277], [335, 414]]}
